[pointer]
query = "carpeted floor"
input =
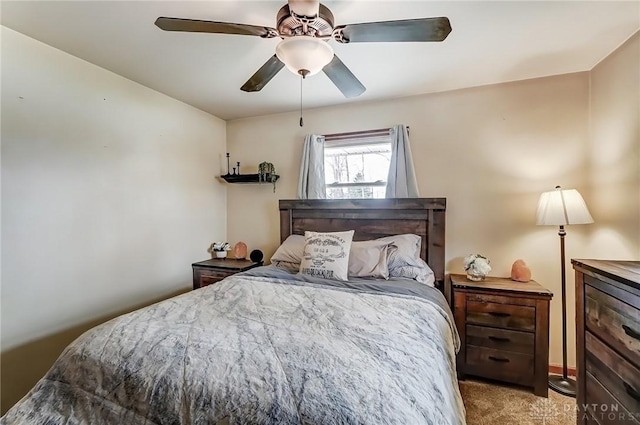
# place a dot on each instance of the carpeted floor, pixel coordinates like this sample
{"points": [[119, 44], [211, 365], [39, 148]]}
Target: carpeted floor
{"points": [[497, 404]]}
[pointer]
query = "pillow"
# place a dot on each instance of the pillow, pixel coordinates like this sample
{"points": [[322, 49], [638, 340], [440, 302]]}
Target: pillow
{"points": [[369, 259], [407, 252], [286, 265], [290, 251], [326, 255], [405, 261], [422, 273]]}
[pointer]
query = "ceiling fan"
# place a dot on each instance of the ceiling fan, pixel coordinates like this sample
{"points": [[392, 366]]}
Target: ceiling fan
{"points": [[305, 27]]}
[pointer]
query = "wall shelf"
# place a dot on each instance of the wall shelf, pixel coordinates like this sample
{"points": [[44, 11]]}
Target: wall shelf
{"points": [[248, 178]]}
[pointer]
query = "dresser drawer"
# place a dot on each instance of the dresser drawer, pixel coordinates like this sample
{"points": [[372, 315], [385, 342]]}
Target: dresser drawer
{"points": [[619, 376], [615, 322], [604, 407], [502, 365], [506, 316], [501, 339]]}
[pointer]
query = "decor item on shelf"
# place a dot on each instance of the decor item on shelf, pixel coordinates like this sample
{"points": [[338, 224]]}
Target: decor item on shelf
{"points": [[520, 272], [219, 249], [267, 172], [227, 163], [265, 169], [256, 256], [561, 207], [477, 267], [240, 250]]}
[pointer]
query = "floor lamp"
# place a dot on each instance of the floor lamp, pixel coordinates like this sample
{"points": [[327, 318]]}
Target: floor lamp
{"points": [[561, 207]]}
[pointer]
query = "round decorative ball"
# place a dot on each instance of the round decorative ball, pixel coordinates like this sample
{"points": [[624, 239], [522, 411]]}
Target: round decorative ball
{"points": [[256, 255]]}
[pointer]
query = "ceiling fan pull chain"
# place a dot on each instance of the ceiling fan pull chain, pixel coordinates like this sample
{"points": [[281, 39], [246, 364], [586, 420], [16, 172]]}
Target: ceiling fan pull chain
{"points": [[301, 120]]}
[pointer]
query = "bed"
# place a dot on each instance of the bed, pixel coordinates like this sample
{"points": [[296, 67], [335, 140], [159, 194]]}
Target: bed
{"points": [[269, 346]]}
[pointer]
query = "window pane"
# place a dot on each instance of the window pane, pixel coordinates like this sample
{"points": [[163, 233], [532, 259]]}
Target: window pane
{"points": [[358, 162]]}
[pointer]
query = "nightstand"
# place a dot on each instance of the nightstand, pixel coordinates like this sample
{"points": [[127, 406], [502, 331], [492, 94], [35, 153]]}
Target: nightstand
{"points": [[504, 330], [214, 270]]}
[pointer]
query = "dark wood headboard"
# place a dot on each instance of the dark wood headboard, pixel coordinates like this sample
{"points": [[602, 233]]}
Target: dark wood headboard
{"points": [[371, 219]]}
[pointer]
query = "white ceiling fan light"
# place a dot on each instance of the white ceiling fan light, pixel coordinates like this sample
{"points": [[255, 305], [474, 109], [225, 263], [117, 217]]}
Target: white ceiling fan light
{"points": [[304, 55]]}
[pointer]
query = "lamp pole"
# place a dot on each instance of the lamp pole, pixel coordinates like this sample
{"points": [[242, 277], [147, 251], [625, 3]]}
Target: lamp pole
{"points": [[563, 384]]}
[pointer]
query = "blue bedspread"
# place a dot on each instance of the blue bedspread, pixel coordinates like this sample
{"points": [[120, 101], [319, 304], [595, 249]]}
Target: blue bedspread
{"points": [[262, 347]]}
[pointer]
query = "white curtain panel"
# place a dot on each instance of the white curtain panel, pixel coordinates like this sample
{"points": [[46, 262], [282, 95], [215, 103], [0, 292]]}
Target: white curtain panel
{"points": [[401, 182], [311, 183]]}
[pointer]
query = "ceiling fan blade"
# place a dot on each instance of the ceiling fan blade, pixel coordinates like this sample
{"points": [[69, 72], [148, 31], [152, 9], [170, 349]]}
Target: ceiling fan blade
{"points": [[263, 75], [193, 25], [425, 29], [343, 78]]}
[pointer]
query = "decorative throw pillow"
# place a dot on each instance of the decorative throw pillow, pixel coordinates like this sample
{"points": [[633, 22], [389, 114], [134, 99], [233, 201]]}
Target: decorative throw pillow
{"points": [[369, 259], [290, 251], [326, 255]]}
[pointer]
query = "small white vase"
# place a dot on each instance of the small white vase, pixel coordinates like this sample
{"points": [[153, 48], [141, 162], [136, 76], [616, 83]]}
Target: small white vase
{"points": [[475, 277], [221, 254]]}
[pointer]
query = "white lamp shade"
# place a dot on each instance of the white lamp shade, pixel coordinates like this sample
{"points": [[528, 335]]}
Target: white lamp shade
{"points": [[560, 207], [304, 52]]}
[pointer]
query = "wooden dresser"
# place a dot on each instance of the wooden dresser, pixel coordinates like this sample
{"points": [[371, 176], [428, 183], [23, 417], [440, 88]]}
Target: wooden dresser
{"points": [[608, 341], [504, 330]]}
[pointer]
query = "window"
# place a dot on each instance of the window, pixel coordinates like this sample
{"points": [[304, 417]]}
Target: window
{"points": [[356, 164]]}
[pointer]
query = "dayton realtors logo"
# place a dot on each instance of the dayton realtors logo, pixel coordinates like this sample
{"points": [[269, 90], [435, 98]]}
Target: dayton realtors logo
{"points": [[547, 412]]}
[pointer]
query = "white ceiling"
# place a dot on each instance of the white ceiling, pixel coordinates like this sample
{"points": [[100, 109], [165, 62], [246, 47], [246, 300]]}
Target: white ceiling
{"points": [[491, 42]]}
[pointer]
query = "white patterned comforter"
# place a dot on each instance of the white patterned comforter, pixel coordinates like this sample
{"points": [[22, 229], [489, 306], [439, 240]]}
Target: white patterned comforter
{"points": [[261, 348]]}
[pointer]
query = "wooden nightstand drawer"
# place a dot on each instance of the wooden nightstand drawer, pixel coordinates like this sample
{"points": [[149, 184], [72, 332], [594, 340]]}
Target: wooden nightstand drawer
{"points": [[501, 339], [209, 280], [614, 321], [482, 312], [500, 364], [211, 271]]}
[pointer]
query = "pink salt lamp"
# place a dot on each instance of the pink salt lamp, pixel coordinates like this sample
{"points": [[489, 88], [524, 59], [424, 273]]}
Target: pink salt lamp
{"points": [[240, 250], [520, 272]]}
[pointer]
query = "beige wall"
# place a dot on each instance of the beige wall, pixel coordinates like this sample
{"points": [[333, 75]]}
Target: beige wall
{"points": [[108, 196], [614, 154], [490, 151]]}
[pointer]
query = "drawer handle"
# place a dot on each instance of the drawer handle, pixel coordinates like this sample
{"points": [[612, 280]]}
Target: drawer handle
{"points": [[499, 359], [499, 314], [631, 391], [631, 332], [499, 339]]}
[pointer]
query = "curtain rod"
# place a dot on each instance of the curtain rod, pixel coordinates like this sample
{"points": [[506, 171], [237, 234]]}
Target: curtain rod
{"points": [[357, 134]]}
